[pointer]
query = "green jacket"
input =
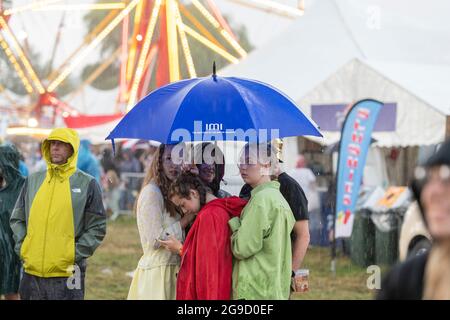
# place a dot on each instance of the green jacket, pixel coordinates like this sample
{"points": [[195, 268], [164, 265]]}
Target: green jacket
{"points": [[59, 218], [261, 246]]}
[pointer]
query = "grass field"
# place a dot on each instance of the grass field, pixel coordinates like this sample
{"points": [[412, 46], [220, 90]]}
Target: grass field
{"points": [[120, 251]]}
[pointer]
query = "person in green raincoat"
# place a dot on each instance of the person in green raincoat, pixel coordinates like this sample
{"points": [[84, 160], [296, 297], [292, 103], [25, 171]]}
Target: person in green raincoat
{"points": [[11, 182], [260, 239]]}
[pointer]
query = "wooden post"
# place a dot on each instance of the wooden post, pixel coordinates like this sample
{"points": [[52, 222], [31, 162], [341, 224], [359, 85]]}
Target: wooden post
{"points": [[447, 128]]}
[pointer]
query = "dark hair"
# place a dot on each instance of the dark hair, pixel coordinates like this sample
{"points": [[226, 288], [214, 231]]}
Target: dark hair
{"points": [[219, 168], [441, 157], [186, 182]]}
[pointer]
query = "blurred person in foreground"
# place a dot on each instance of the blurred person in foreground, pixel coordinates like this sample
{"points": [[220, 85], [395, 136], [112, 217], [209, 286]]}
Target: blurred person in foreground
{"points": [[427, 276], [11, 182]]}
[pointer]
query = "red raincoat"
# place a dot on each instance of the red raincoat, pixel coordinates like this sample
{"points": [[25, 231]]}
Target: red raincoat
{"points": [[207, 260]]}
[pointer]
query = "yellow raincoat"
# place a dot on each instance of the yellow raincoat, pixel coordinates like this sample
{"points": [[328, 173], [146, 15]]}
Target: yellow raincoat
{"points": [[59, 231]]}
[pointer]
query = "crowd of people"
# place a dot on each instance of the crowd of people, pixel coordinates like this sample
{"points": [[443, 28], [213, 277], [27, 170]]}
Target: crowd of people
{"points": [[199, 242]]}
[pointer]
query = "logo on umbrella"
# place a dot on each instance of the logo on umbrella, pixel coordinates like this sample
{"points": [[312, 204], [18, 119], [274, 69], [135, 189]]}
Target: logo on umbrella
{"points": [[215, 127]]}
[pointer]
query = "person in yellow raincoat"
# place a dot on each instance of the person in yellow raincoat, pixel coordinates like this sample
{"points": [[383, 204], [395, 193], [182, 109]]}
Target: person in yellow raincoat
{"points": [[58, 222]]}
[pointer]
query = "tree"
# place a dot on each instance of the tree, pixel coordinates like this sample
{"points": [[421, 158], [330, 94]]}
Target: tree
{"points": [[203, 57], [9, 77]]}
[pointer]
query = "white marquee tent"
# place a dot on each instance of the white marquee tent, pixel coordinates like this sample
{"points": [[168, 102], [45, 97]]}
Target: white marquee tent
{"points": [[342, 51]]}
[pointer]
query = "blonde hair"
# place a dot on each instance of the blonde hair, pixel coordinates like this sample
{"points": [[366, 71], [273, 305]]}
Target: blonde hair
{"points": [[265, 154]]}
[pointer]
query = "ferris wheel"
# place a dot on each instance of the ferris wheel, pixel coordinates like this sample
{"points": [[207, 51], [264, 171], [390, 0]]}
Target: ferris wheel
{"points": [[144, 54]]}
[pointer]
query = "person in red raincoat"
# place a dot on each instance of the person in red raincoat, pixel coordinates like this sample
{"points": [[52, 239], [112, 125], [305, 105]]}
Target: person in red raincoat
{"points": [[206, 257]]}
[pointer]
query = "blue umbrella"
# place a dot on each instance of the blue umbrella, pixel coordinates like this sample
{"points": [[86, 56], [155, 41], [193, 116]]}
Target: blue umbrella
{"points": [[214, 108]]}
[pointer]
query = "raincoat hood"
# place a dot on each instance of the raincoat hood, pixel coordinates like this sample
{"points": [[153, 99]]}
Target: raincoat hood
{"points": [[441, 157], [86, 144], [87, 162], [68, 136], [84, 153], [219, 167], [9, 163], [233, 205]]}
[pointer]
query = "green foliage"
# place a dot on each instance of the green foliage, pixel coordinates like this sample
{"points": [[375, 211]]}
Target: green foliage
{"points": [[203, 57], [108, 80], [93, 19], [11, 81]]}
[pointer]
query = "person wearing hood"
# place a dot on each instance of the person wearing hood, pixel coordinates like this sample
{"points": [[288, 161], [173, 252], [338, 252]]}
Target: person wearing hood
{"points": [[211, 167], [427, 276], [58, 222], [87, 162], [23, 168], [206, 257], [11, 182]]}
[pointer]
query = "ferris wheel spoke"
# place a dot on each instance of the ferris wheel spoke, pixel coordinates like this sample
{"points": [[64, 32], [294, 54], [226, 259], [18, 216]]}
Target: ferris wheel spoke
{"points": [[210, 45], [200, 27], [272, 6], [212, 5], [123, 60], [174, 68], [131, 61], [22, 56], [7, 96], [96, 73], [98, 39], [32, 6], [143, 54], [150, 64], [81, 7], [57, 42], [185, 43], [224, 33], [87, 39], [17, 67]]}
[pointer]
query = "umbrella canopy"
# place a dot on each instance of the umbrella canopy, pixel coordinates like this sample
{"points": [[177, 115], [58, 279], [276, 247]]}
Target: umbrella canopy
{"points": [[214, 108]]}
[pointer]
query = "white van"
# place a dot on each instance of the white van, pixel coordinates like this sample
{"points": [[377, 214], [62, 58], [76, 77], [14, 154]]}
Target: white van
{"points": [[414, 236]]}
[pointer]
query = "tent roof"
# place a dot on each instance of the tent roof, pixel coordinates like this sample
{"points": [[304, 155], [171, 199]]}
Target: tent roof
{"points": [[404, 40], [429, 83]]}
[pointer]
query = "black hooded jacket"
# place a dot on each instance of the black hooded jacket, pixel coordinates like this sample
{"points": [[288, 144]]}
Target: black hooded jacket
{"points": [[10, 185], [219, 169], [406, 280]]}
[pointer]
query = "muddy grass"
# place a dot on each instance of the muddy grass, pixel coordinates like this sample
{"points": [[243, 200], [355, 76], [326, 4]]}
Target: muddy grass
{"points": [[120, 251]]}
